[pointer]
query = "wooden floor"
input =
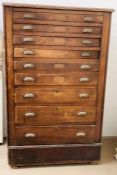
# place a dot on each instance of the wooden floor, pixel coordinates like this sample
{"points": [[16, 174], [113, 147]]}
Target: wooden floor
{"points": [[107, 165]]}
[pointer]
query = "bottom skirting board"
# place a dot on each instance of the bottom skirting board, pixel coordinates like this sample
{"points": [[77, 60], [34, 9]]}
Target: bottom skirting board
{"points": [[53, 154]]}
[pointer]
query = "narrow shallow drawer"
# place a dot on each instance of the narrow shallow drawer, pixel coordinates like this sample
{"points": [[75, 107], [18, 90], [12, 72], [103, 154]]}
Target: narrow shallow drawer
{"points": [[61, 95], [32, 28], [53, 115], [52, 53], [55, 135], [80, 78], [57, 66], [81, 18], [62, 41]]}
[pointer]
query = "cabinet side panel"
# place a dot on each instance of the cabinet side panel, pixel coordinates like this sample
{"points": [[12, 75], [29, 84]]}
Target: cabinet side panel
{"points": [[102, 74], [9, 72]]}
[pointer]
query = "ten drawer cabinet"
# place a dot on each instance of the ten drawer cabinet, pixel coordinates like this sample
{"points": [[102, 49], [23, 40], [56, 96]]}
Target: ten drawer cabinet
{"points": [[55, 70]]}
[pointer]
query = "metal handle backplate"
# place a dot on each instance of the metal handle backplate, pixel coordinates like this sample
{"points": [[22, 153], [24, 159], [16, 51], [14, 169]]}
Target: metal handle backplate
{"points": [[28, 52], [82, 113], [85, 67], [86, 41], [29, 79], [84, 79], [28, 65], [30, 135], [30, 114], [27, 39], [27, 27], [29, 95], [87, 30], [80, 134], [83, 95], [28, 15], [88, 18], [85, 54]]}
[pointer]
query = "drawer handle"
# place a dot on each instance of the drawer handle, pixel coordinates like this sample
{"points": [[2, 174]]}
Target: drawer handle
{"points": [[82, 113], [32, 79], [85, 67], [84, 79], [81, 134], [87, 30], [27, 39], [83, 95], [29, 114], [30, 135], [88, 19], [29, 95], [86, 41], [28, 52], [28, 65], [85, 54], [28, 15], [59, 65], [27, 27]]}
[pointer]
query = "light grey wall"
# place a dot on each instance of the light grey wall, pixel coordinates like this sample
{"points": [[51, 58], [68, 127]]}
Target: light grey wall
{"points": [[110, 111]]}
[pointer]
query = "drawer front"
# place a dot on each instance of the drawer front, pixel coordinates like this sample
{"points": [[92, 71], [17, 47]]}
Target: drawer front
{"points": [[83, 18], [56, 41], [27, 28], [57, 66], [61, 95], [81, 78], [52, 53], [53, 115], [55, 135]]}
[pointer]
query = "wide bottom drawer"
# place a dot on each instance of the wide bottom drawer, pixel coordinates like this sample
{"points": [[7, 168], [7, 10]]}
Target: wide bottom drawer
{"points": [[54, 154], [55, 135]]}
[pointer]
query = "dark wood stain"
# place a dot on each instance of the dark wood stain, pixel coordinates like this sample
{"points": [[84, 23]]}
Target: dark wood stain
{"points": [[56, 60]]}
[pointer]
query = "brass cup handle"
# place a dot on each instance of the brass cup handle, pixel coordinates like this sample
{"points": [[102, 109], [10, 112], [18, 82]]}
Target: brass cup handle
{"points": [[83, 95], [85, 67], [28, 52], [85, 54], [28, 65], [30, 114], [32, 79], [87, 30], [88, 19], [27, 27], [29, 95], [84, 79], [27, 39], [86, 41], [80, 134], [30, 135], [28, 15], [59, 65], [82, 113]]}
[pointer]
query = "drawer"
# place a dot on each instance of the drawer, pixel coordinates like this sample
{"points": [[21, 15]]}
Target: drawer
{"points": [[56, 41], [53, 95], [46, 16], [57, 65], [55, 135], [52, 53], [80, 78], [54, 115], [34, 29]]}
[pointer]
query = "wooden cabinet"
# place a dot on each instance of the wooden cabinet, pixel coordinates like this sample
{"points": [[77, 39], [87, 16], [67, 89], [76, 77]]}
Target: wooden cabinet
{"points": [[56, 61]]}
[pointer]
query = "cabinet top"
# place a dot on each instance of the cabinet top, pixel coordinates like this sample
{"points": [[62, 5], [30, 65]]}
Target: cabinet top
{"points": [[56, 7]]}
